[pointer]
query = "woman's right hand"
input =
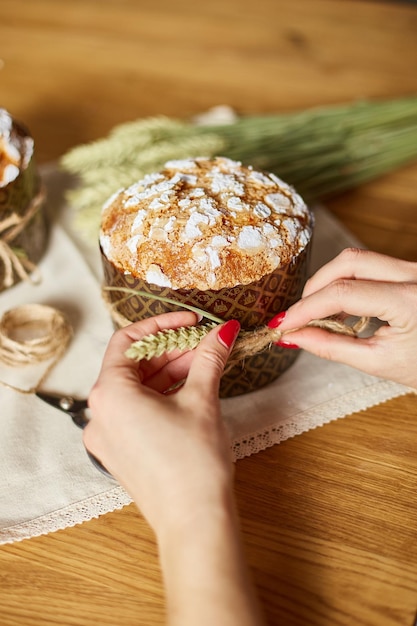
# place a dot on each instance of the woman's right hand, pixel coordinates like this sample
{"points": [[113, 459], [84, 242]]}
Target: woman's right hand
{"points": [[361, 283]]}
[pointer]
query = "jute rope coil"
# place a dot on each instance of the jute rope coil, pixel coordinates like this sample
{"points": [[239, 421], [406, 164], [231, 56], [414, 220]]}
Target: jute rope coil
{"points": [[10, 228], [31, 334]]}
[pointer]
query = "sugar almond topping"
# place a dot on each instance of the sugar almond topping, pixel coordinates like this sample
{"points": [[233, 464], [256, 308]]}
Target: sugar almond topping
{"points": [[204, 223], [15, 149]]}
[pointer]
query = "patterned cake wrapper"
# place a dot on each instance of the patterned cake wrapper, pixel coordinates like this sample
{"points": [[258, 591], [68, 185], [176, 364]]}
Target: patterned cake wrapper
{"points": [[16, 198], [253, 305]]}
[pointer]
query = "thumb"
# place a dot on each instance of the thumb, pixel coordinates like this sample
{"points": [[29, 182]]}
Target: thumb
{"points": [[211, 356]]}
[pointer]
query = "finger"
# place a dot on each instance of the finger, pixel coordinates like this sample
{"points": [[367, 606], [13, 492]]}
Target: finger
{"points": [[115, 354], [148, 370], [365, 354], [210, 358], [170, 374], [362, 264], [353, 297]]}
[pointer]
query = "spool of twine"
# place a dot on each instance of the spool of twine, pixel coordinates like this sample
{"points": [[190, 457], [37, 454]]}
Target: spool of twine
{"points": [[31, 334], [10, 228]]}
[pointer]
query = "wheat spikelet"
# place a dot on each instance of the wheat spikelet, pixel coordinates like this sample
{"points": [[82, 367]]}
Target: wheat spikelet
{"points": [[248, 343], [184, 338]]}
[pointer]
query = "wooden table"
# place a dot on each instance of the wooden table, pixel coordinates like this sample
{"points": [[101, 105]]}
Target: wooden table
{"points": [[329, 518]]}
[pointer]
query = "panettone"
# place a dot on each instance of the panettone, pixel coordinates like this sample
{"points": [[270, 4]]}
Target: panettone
{"points": [[205, 224], [23, 227], [16, 149], [216, 235]]}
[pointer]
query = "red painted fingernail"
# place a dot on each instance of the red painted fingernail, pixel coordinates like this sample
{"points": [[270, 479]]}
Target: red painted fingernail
{"points": [[277, 320], [228, 333], [287, 344]]}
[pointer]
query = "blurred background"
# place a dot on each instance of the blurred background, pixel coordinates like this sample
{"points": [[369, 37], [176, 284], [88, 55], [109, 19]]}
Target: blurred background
{"points": [[71, 70]]}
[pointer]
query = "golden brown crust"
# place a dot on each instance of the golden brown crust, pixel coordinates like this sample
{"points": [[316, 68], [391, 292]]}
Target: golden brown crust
{"points": [[15, 149], [204, 223]]}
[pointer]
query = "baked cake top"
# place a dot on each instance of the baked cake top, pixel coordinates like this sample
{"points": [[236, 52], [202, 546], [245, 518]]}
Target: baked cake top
{"points": [[15, 149], [204, 223]]}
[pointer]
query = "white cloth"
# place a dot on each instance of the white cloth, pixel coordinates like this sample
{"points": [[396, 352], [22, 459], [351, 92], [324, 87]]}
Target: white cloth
{"points": [[47, 481]]}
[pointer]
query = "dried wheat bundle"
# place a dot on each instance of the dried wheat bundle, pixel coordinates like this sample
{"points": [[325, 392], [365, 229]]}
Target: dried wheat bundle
{"points": [[319, 151]]}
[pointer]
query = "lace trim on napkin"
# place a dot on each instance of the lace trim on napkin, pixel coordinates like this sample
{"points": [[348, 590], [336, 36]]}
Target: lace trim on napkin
{"points": [[359, 400], [83, 511], [117, 498]]}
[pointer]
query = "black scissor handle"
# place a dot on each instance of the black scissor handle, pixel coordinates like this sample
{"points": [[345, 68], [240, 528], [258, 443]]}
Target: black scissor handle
{"points": [[76, 409]]}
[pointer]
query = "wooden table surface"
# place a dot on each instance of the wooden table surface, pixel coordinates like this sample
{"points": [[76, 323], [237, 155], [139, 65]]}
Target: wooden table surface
{"points": [[329, 518]]}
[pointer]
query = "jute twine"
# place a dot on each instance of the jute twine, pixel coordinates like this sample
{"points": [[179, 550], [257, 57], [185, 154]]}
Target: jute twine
{"points": [[247, 344], [31, 334], [252, 342], [10, 228]]}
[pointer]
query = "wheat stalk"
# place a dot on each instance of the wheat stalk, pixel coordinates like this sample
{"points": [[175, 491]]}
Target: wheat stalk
{"points": [[184, 338], [248, 343], [319, 151]]}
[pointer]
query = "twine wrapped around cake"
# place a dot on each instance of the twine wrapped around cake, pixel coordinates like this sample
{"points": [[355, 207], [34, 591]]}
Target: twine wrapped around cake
{"points": [[247, 344], [16, 262]]}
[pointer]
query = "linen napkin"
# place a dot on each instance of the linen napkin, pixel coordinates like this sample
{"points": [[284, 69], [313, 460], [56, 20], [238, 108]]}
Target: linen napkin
{"points": [[47, 482]]}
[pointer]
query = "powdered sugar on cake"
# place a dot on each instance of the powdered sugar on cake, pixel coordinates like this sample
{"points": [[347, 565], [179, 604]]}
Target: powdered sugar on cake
{"points": [[204, 223], [15, 149]]}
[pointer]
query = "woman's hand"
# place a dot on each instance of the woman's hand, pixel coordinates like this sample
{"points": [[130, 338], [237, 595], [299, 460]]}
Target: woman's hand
{"points": [[361, 283], [171, 451]]}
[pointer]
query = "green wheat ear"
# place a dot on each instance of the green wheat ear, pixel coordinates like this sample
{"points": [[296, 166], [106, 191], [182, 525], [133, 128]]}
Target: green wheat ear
{"points": [[184, 338]]}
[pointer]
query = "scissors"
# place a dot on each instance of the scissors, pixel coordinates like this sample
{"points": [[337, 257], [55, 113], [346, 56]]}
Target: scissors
{"points": [[76, 409]]}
